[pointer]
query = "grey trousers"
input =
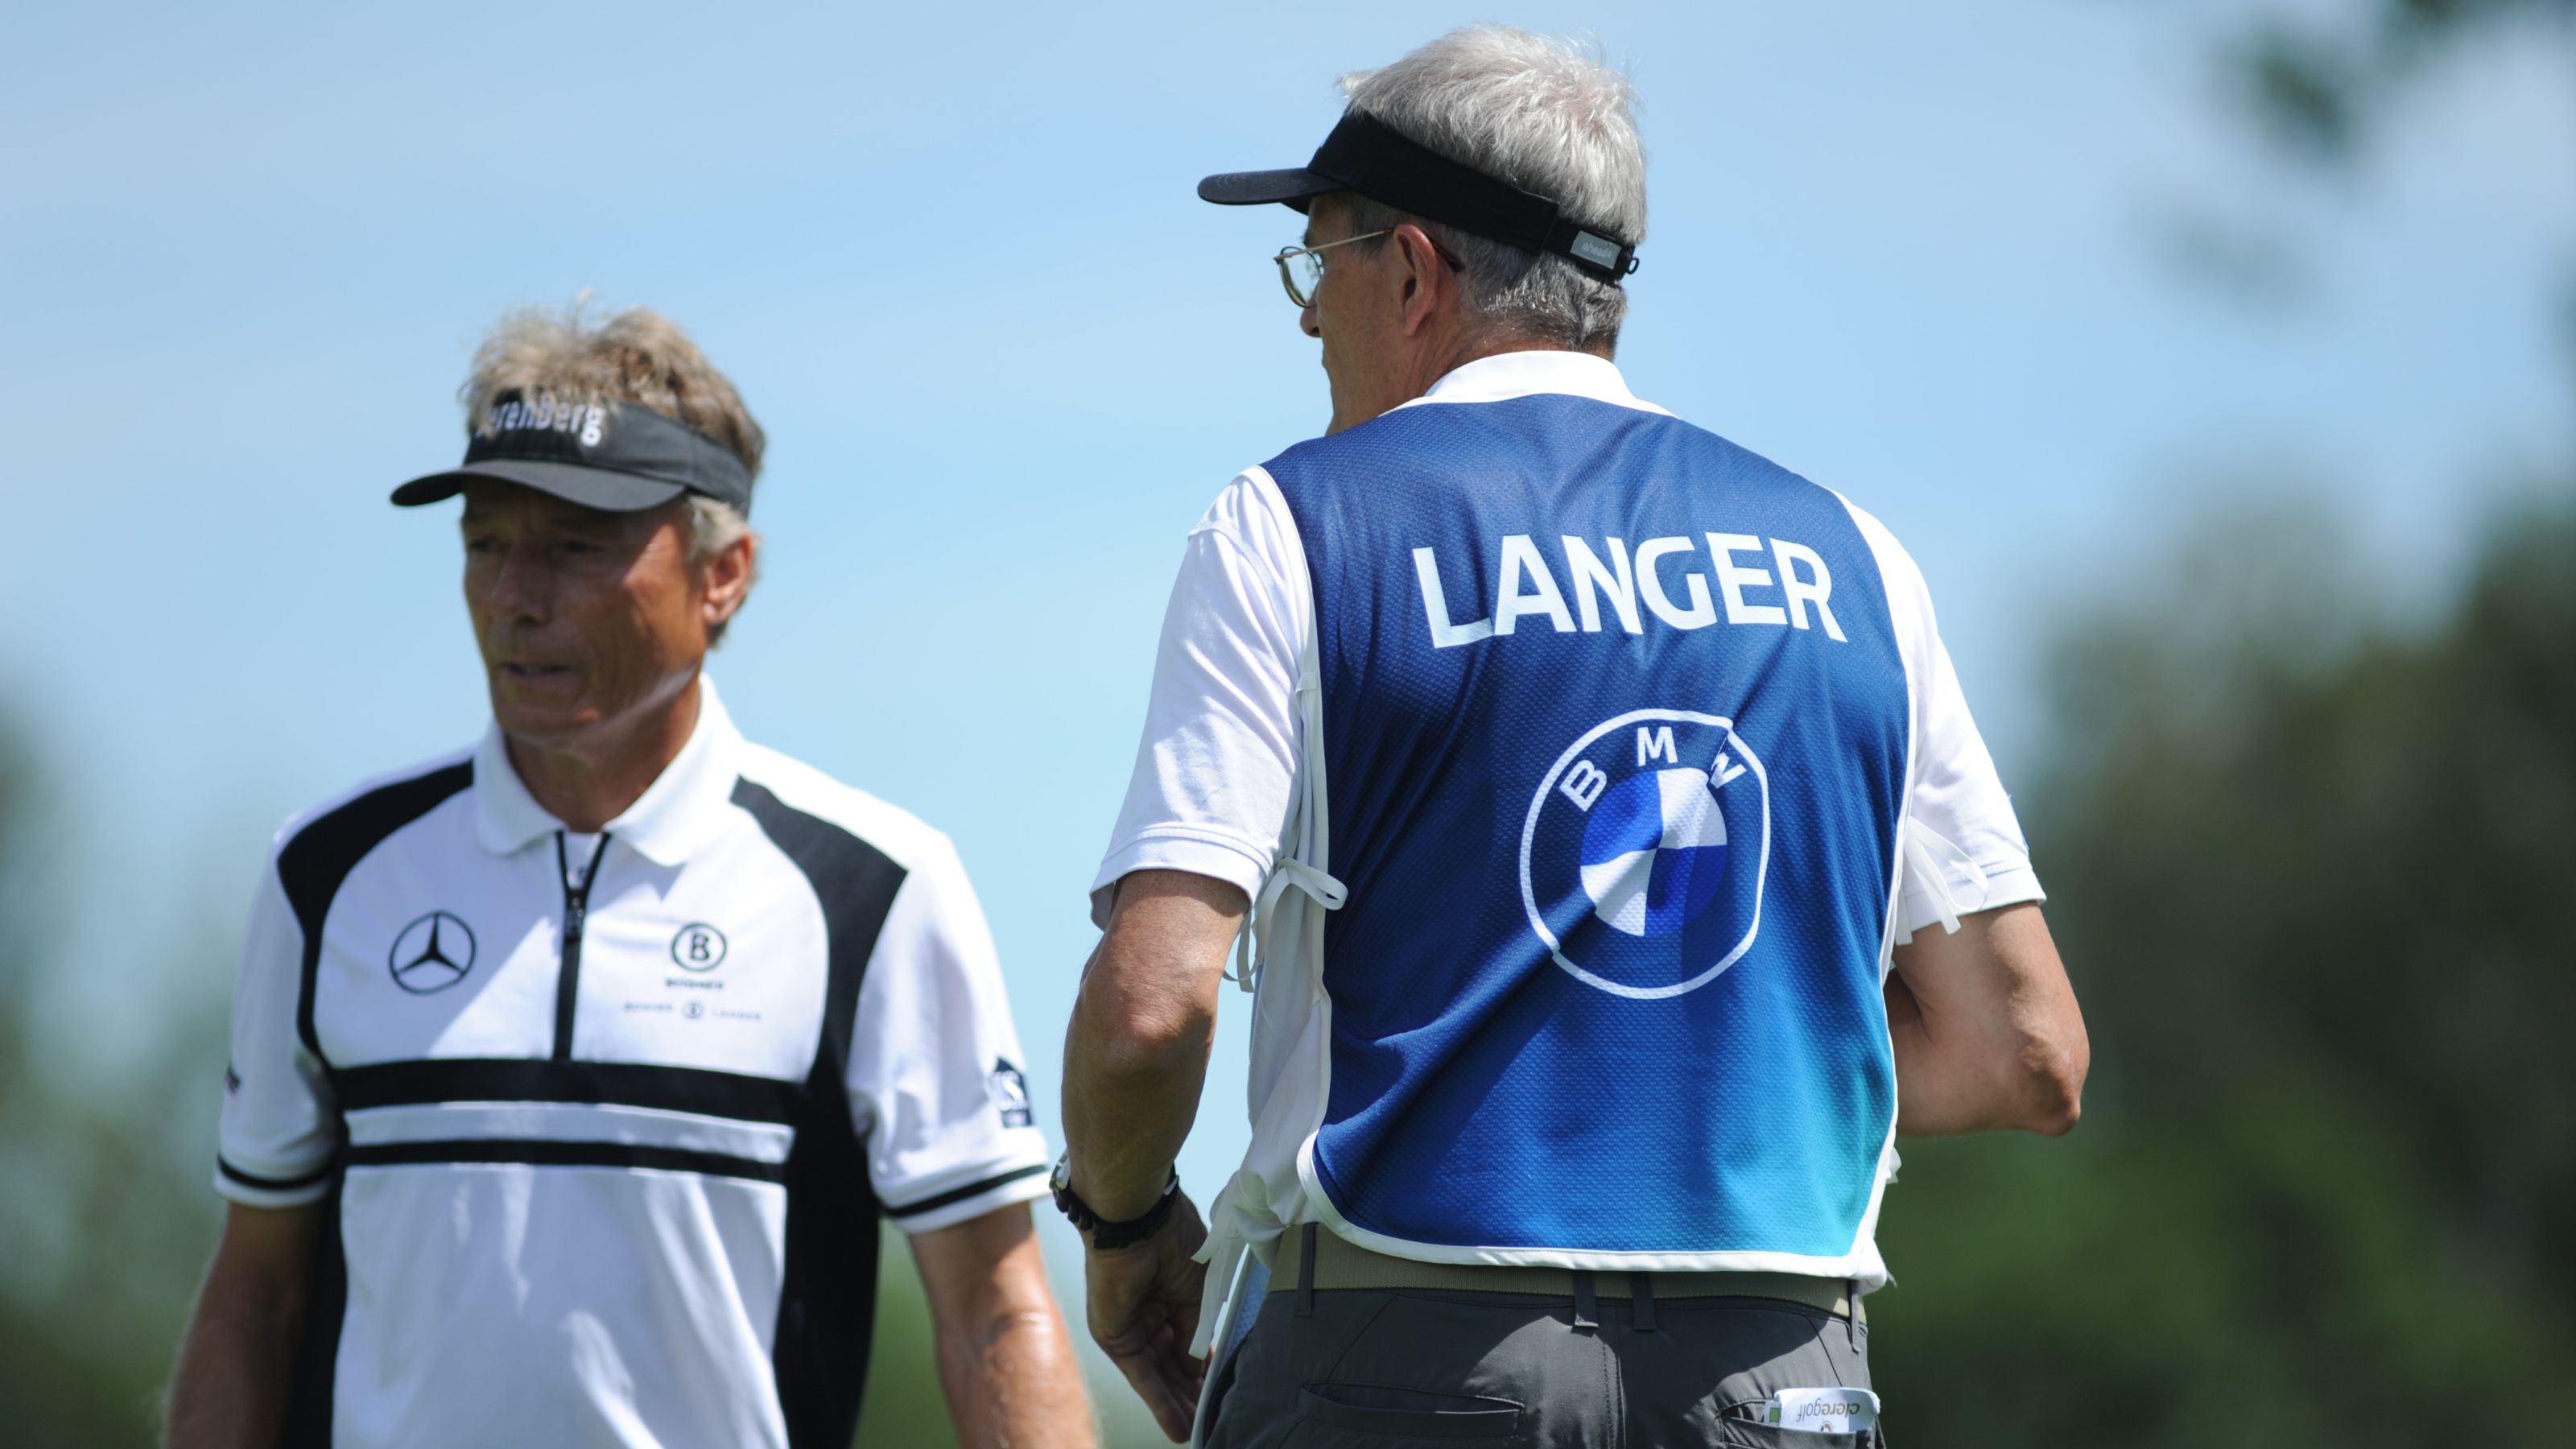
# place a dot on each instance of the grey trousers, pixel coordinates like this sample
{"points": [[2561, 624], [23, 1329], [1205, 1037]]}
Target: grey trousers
{"points": [[1375, 1367]]}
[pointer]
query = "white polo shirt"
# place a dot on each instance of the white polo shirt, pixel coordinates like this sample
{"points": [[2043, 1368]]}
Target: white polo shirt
{"points": [[604, 1124]]}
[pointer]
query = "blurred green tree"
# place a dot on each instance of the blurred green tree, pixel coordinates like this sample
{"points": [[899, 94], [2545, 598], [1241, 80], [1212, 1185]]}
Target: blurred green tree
{"points": [[2311, 874], [108, 1224], [2322, 85], [2318, 82]]}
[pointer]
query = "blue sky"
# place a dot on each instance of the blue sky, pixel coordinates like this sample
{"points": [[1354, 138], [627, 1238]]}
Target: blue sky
{"points": [[1005, 358]]}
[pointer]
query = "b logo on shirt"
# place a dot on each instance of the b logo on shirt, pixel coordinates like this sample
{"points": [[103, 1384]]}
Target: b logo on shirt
{"points": [[699, 947], [1644, 852]]}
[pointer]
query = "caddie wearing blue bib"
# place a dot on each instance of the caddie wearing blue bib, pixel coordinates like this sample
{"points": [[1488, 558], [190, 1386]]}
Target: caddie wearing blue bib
{"points": [[1572, 784]]}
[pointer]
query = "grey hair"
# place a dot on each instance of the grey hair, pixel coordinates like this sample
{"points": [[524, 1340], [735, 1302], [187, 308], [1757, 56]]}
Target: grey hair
{"points": [[1545, 116], [636, 356], [714, 526]]}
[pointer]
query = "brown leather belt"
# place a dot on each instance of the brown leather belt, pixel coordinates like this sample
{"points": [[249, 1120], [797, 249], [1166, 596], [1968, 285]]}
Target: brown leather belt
{"points": [[1340, 1263]]}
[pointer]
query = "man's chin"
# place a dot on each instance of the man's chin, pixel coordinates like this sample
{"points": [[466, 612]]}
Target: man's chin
{"points": [[540, 721]]}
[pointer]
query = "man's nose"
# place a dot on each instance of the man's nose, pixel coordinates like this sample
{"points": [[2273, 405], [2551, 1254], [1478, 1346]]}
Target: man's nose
{"points": [[1310, 323], [523, 586]]}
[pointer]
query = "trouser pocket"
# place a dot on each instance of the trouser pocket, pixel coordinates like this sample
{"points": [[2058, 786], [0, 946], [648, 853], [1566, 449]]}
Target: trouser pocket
{"points": [[1372, 1409], [1735, 1433]]}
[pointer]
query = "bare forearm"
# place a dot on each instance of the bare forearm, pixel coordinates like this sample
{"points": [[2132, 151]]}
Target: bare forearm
{"points": [[1004, 1360], [1970, 1081], [1015, 1383], [1937, 1093], [1999, 1044], [1129, 1106], [237, 1364], [1136, 1053], [235, 1369]]}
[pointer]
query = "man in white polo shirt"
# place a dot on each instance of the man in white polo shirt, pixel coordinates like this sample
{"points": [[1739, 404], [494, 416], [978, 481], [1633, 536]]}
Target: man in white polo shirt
{"points": [[571, 1073]]}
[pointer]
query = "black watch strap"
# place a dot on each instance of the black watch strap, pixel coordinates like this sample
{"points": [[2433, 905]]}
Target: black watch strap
{"points": [[1102, 1233]]}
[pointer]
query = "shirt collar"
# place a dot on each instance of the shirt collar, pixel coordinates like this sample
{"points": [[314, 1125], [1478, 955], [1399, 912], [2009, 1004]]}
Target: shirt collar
{"points": [[1506, 375], [683, 808]]}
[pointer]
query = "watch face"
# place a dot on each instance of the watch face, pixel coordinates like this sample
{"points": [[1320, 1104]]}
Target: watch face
{"points": [[1061, 1180]]}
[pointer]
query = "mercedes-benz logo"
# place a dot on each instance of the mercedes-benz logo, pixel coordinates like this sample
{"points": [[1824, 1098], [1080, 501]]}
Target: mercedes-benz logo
{"points": [[432, 953]]}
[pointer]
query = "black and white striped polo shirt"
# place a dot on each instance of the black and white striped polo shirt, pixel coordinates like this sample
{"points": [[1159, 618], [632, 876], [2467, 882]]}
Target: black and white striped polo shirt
{"points": [[603, 1125]]}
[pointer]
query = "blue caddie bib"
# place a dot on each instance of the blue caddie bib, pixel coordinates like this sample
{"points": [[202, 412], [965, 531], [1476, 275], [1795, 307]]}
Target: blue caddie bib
{"points": [[1615, 728]]}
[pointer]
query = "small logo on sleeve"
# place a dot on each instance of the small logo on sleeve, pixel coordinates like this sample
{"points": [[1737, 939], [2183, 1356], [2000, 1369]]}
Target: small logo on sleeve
{"points": [[1010, 1092]]}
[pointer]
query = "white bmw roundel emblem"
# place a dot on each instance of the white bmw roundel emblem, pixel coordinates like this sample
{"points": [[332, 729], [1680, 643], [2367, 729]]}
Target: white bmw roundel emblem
{"points": [[1643, 856]]}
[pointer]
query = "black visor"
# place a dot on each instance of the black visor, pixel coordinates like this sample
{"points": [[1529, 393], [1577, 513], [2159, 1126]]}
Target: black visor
{"points": [[611, 456], [1366, 155]]}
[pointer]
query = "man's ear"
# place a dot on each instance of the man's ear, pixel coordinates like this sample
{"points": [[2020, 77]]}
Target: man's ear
{"points": [[727, 578], [1424, 277]]}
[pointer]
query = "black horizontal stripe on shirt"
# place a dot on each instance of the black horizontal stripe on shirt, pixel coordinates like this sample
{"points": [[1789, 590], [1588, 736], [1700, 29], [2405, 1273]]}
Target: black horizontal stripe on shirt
{"points": [[434, 1081], [960, 1194], [272, 1184], [542, 1153]]}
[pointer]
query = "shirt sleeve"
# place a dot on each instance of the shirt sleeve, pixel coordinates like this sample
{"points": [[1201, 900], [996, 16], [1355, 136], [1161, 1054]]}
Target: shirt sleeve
{"points": [[1964, 848], [1215, 769], [937, 1080], [1959, 808], [279, 1126]]}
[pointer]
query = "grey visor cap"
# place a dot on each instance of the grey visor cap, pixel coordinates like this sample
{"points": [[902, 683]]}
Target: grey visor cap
{"points": [[1366, 155], [609, 456], [590, 487], [1295, 187]]}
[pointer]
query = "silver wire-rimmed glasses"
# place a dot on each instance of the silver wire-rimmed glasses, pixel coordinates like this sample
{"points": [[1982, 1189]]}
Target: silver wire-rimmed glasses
{"points": [[1301, 269]]}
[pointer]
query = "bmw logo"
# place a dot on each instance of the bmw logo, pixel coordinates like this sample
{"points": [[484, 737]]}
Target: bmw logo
{"points": [[1643, 856]]}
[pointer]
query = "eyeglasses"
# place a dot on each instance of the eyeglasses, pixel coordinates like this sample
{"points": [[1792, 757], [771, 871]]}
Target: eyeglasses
{"points": [[1301, 269]]}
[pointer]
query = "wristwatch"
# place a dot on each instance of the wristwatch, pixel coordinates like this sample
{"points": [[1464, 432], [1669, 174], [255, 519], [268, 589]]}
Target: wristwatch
{"points": [[1104, 1234]]}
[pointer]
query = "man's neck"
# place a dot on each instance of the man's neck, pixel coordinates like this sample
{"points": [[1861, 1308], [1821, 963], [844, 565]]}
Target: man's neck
{"points": [[590, 781], [1478, 347]]}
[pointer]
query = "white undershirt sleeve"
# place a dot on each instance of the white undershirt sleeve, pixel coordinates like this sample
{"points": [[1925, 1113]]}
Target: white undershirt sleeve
{"points": [[1961, 809], [279, 1125], [938, 1084], [1214, 772], [1963, 850]]}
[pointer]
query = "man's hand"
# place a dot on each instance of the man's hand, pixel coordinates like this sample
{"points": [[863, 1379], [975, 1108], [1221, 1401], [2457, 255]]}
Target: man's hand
{"points": [[1144, 1309]]}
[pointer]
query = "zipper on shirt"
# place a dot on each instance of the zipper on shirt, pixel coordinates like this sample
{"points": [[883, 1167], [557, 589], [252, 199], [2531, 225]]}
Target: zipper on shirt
{"points": [[576, 909]]}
